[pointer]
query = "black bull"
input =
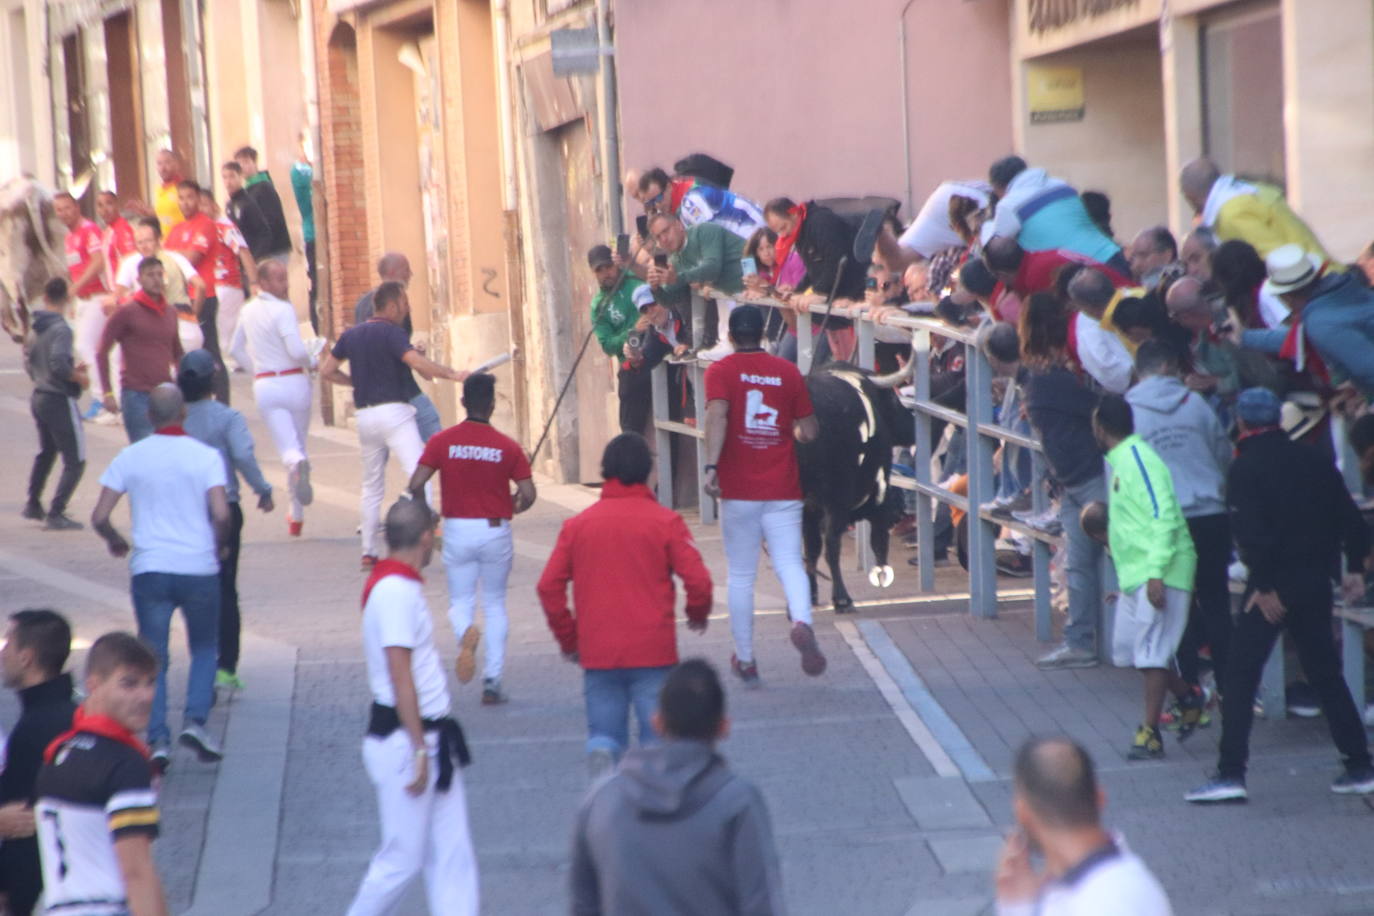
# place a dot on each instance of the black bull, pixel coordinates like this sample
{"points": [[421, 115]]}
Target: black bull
{"points": [[846, 470]]}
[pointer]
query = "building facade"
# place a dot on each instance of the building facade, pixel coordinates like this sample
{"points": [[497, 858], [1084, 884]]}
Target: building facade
{"points": [[1279, 90]]}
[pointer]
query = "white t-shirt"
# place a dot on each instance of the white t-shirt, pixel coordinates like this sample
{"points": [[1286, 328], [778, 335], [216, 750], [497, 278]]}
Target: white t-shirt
{"points": [[396, 614], [167, 478], [930, 232], [268, 337], [1103, 355], [1120, 885], [128, 268]]}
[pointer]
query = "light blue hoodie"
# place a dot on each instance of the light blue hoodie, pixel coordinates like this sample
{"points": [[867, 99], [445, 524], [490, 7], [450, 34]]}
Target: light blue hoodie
{"points": [[1186, 433]]}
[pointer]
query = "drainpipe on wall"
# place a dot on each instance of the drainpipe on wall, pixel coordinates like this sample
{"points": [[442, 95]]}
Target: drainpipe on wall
{"points": [[610, 137], [906, 110], [510, 216], [193, 34]]}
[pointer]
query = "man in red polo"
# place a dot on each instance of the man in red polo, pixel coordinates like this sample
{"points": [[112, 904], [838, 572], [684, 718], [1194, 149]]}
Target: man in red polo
{"points": [[476, 466], [118, 234], [145, 329], [197, 239], [85, 253]]}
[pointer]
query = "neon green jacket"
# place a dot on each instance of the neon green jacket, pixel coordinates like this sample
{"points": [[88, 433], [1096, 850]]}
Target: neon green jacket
{"points": [[1145, 526]]}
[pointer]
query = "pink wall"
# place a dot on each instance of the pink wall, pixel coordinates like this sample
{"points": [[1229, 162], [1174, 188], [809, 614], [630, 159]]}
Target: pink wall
{"points": [[803, 97]]}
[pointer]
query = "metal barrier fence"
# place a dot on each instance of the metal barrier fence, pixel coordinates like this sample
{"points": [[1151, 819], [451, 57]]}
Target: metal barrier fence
{"points": [[982, 440]]}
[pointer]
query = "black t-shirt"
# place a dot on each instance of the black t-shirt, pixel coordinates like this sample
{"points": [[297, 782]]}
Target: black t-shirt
{"points": [[374, 350], [95, 791]]}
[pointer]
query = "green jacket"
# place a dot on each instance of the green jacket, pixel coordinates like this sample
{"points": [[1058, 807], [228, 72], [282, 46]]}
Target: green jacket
{"points": [[1145, 526], [614, 320], [711, 255]]}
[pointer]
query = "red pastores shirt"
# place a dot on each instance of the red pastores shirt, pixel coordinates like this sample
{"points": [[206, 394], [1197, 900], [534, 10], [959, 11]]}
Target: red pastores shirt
{"points": [[198, 236], [119, 244], [476, 465], [228, 268], [82, 245], [766, 394]]}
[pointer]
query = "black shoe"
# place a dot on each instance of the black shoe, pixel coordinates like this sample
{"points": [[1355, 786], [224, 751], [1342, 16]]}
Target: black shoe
{"points": [[60, 522], [1359, 781], [1302, 700], [161, 757], [34, 510]]}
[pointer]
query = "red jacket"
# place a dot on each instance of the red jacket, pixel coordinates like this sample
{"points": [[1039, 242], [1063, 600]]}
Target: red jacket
{"points": [[620, 555], [1039, 269]]}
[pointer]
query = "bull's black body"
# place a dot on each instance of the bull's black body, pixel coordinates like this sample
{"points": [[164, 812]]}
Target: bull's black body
{"points": [[846, 470]]}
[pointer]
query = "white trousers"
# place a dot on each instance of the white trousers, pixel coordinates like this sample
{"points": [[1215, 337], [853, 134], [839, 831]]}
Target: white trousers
{"points": [[88, 323], [284, 405], [477, 555], [230, 300], [744, 525], [420, 833], [383, 430]]}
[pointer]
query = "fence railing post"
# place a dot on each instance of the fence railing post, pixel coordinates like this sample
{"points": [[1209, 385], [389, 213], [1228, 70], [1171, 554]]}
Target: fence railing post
{"points": [[663, 439], [925, 504], [805, 347], [706, 504], [982, 535], [863, 358]]}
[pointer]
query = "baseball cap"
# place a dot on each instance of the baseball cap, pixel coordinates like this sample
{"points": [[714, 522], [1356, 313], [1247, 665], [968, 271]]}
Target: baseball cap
{"points": [[643, 296], [198, 363], [1258, 407], [747, 319], [598, 255]]}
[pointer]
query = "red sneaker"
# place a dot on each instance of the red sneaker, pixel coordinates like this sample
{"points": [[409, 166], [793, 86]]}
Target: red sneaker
{"points": [[745, 671], [294, 527]]}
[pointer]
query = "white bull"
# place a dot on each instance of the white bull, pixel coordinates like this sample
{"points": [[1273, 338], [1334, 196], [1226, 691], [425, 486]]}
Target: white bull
{"points": [[31, 250]]}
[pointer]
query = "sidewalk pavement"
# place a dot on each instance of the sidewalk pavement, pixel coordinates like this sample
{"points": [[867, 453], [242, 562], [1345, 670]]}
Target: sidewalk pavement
{"points": [[886, 778]]}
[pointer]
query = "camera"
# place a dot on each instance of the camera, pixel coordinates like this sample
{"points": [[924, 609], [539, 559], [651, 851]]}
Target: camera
{"points": [[635, 340]]}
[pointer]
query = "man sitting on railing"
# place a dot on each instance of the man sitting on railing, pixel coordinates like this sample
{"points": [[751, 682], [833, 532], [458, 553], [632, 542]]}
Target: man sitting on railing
{"points": [[704, 255]]}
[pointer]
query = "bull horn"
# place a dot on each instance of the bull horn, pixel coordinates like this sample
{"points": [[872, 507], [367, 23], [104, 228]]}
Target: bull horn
{"points": [[895, 379]]}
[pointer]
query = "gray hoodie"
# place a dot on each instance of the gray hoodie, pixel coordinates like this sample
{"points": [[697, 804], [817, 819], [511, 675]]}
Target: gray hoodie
{"points": [[1186, 433], [674, 833], [48, 354]]}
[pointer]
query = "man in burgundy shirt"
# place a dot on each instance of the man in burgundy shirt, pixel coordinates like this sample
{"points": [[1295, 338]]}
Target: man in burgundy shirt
{"points": [[197, 239], [476, 466], [756, 404], [145, 329]]}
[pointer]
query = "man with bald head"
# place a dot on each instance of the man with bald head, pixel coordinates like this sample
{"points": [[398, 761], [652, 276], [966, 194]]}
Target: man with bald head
{"points": [[268, 340], [1215, 372], [395, 267], [180, 513], [1057, 804], [1099, 350], [1250, 211]]}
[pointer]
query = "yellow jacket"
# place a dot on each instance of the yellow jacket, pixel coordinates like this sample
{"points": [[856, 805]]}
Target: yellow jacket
{"points": [[166, 207], [1109, 314], [1264, 219]]}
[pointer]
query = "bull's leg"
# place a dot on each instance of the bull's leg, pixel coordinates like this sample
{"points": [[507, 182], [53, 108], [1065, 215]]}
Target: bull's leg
{"points": [[834, 533], [811, 547]]}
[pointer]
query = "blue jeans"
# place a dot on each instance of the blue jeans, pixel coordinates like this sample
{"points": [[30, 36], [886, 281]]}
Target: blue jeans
{"points": [[610, 692], [133, 406], [156, 595], [426, 416]]}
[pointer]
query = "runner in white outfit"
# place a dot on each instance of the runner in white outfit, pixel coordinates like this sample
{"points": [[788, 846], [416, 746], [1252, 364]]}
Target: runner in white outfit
{"points": [[380, 357], [414, 748], [267, 339]]}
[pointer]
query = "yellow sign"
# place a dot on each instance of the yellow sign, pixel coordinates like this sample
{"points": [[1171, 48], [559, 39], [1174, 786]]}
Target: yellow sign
{"points": [[1054, 93]]}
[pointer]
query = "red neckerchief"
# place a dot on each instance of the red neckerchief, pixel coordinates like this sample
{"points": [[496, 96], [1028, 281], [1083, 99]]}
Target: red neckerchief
{"points": [[783, 247], [158, 305], [1303, 355], [85, 723], [171, 429], [389, 567], [677, 190]]}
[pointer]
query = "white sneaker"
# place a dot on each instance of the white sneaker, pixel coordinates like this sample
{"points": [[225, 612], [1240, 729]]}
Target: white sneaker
{"points": [[718, 352], [198, 739], [106, 418]]}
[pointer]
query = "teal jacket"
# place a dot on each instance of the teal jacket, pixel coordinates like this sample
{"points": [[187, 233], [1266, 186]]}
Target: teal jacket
{"points": [[1145, 527], [614, 317]]}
